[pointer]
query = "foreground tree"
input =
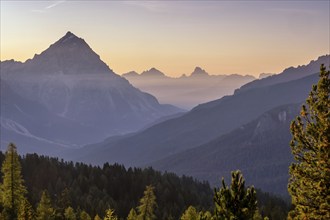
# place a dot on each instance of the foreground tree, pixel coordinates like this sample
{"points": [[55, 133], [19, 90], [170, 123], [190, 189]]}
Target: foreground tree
{"points": [[132, 215], [110, 215], [85, 216], [190, 214], [12, 189], [309, 183], [45, 211], [236, 202], [69, 213], [97, 217], [147, 204], [25, 211]]}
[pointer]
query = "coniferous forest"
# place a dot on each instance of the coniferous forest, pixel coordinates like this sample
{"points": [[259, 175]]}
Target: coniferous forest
{"points": [[82, 189]]}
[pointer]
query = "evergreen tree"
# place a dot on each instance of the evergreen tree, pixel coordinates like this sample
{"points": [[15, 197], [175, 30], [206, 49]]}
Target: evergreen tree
{"points": [[190, 214], [309, 183], [236, 202], [63, 201], [110, 215], [97, 217], [69, 213], [132, 215], [45, 210], [147, 204], [205, 215], [84, 216], [12, 189], [25, 211]]}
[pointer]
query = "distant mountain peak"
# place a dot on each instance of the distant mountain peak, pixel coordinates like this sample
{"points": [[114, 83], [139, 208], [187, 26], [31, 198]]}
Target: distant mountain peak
{"points": [[130, 74], [152, 72], [199, 72]]}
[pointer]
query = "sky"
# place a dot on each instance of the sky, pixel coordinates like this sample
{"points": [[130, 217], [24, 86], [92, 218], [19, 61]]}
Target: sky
{"points": [[222, 37]]}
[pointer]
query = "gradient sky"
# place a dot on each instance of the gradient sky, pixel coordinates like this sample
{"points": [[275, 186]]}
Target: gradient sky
{"points": [[223, 37]]}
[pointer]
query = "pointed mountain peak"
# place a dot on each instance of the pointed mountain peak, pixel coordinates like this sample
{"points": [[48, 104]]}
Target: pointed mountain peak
{"points": [[152, 72], [69, 55], [69, 36], [71, 39], [199, 72]]}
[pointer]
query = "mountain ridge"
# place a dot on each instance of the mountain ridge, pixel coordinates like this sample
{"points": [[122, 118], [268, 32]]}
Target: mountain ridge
{"points": [[200, 125], [189, 91], [290, 73]]}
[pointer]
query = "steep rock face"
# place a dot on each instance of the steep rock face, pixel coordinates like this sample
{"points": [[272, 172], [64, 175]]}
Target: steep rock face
{"points": [[71, 82]]}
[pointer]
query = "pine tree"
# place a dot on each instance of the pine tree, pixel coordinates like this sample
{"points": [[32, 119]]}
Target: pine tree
{"points": [[205, 215], [84, 216], [309, 183], [45, 210], [235, 202], [132, 215], [97, 217], [12, 189], [69, 213], [25, 211], [110, 215], [190, 214], [63, 201], [147, 204]]}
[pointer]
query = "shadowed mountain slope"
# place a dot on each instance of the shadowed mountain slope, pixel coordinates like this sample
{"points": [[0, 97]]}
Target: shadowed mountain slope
{"points": [[199, 126], [260, 149]]}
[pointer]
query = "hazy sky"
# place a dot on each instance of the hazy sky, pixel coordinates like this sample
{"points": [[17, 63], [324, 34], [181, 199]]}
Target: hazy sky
{"points": [[246, 37]]}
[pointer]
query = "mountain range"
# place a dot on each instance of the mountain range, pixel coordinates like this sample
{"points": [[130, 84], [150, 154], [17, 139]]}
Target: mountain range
{"points": [[187, 91], [238, 130], [68, 97], [67, 102]]}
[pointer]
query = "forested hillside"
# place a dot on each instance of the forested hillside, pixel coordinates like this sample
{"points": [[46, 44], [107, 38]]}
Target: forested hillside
{"points": [[93, 189]]}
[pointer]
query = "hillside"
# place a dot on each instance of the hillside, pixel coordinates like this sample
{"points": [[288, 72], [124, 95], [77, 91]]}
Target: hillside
{"points": [[260, 149]]}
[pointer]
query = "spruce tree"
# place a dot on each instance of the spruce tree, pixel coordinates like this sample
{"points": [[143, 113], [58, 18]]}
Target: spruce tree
{"points": [[110, 215], [147, 204], [25, 211], [190, 214], [12, 189], [84, 216], [45, 211], [236, 202], [97, 217], [309, 183], [205, 215], [132, 215], [69, 213]]}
